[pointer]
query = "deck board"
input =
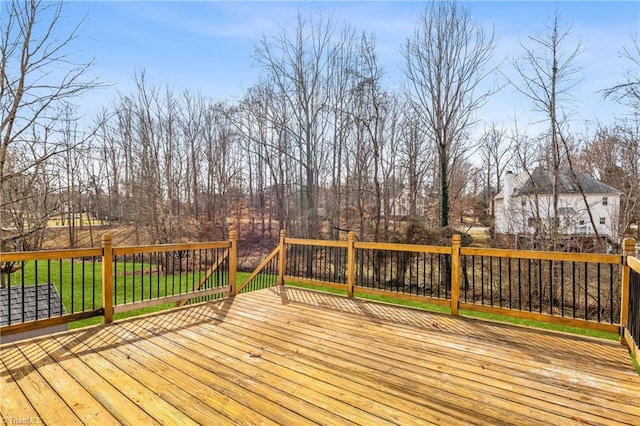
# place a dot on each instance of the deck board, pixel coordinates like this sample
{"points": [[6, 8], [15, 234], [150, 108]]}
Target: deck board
{"points": [[291, 356]]}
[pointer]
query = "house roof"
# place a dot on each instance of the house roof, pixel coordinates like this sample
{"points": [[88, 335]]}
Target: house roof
{"points": [[540, 181], [45, 296]]}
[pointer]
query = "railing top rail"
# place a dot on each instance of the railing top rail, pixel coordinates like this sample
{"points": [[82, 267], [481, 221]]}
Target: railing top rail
{"points": [[325, 243], [404, 247], [615, 259], [169, 247], [634, 263], [50, 254]]}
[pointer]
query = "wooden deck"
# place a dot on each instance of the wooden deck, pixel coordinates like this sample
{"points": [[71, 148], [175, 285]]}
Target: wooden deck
{"points": [[290, 356]]}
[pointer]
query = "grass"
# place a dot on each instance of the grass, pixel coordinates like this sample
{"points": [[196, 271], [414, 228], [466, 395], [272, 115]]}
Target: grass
{"points": [[81, 290]]}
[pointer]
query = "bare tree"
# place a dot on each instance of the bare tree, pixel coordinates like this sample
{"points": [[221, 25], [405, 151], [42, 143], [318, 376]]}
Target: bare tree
{"points": [[628, 92], [38, 78], [298, 63], [548, 75], [613, 155], [445, 64], [496, 152]]}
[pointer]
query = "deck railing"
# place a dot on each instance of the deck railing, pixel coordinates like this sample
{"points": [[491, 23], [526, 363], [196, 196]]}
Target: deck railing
{"points": [[573, 289], [49, 288], [568, 288], [631, 300], [46, 288], [595, 291]]}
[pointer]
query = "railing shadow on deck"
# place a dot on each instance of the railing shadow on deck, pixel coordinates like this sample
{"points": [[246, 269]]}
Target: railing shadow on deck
{"points": [[580, 290], [129, 331]]}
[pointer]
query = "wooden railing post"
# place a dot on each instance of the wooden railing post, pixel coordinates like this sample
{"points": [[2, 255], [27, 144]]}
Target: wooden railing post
{"points": [[628, 249], [455, 273], [107, 277], [281, 260], [351, 262], [233, 261]]}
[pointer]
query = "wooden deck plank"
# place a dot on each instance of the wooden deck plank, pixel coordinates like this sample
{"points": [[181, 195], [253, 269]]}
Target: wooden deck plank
{"points": [[14, 404], [290, 356], [505, 385], [495, 341], [50, 407], [244, 372], [184, 373], [425, 340], [608, 353], [262, 397], [121, 407], [463, 346], [151, 403], [363, 387], [461, 386], [317, 390], [85, 407], [153, 375]]}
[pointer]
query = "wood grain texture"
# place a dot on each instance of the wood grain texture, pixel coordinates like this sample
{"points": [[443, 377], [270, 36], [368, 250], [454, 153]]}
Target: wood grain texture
{"points": [[286, 355]]}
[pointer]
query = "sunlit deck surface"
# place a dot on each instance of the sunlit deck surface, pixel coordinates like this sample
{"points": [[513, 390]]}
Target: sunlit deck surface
{"points": [[291, 356]]}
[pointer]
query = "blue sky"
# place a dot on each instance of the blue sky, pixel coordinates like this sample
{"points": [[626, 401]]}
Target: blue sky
{"points": [[206, 46]]}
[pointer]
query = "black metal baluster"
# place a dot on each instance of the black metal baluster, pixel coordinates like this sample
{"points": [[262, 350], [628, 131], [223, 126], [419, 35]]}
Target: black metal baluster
{"points": [[439, 273], [73, 282], [530, 286], [573, 283], [540, 303], [59, 281], [586, 292], [93, 275], [49, 287], [482, 280], [473, 279], [510, 284], [83, 281], [611, 293], [35, 288], [193, 270], [500, 281], [519, 284], [551, 298], [431, 274], [562, 288], [598, 286], [491, 281]]}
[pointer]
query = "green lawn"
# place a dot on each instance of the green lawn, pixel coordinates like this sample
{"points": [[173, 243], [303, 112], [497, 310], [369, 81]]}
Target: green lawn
{"points": [[68, 277]]}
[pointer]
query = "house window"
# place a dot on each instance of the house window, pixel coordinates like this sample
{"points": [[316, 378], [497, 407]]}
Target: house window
{"points": [[581, 221], [523, 202], [602, 221], [605, 201]]}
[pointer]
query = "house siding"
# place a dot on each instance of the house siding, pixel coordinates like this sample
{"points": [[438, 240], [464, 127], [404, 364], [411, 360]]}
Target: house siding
{"points": [[574, 216]]}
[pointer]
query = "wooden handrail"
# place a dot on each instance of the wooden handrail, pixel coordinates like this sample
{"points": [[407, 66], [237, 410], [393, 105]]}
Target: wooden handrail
{"points": [[404, 247], [162, 248], [324, 243], [543, 255], [634, 263], [49, 254]]}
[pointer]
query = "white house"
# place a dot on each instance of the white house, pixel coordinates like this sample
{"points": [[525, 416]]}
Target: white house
{"points": [[525, 204]]}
